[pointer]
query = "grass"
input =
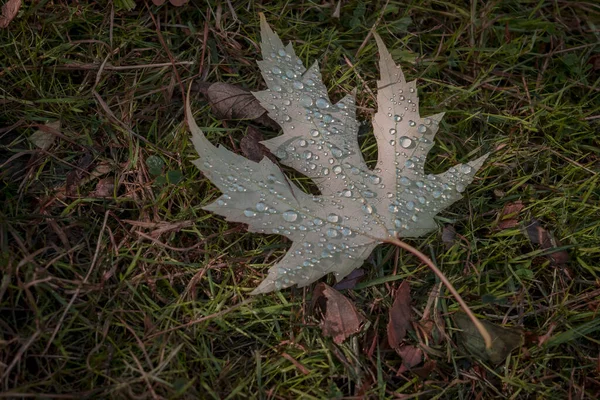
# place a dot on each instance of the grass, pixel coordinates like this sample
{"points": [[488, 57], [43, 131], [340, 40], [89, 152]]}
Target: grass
{"points": [[115, 283]]}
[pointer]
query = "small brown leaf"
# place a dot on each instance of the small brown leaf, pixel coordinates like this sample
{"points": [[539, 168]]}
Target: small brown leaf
{"points": [[232, 102], [340, 317], [399, 315], [9, 11], [104, 188], [251, 147], [508, 216], [411, 357], [540, 236], [504, 340], [424, 371]]}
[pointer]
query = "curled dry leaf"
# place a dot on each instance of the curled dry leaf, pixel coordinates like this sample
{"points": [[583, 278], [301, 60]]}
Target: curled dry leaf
{"points": [[399, 314], [540, 236], [341, 319], [504, 339], [233, 102], [9, 11]]}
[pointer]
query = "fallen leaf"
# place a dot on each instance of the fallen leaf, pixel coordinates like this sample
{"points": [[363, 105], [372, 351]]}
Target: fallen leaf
{"points": [[43, 137], [399, 315], [540, 236], [9, 11], [424, 371], [504, 339], [411, 357], [233, 102], [351, 280], [178, 3], [251, 147], [340, 317], [507, 217], [104, 188]]}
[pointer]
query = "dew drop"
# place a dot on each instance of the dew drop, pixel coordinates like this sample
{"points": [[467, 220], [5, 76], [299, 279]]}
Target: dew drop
{"points": [[336, 152], [290, 216], [436, 194], [410, 205], [306, 100], [276, 70], [412, 123], [397, 118], [332, 233], [374, 179], [298, 85], [392, 131], [249, 213], [337, 170], [465, 169], [262, 207], [422, 128], [315, 133], [460, 187], [322, 103], [367, 209], [333, 218], [407, 142], [307, 155], [405, 181], [290, 74]]}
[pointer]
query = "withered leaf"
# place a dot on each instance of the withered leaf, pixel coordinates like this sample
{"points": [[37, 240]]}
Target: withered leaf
{"points": [[540, 236], [504, 339], [9, 11], [399, 316], [45, 137], [508, 216], [340, 318], [411, 357], [233, 102]]}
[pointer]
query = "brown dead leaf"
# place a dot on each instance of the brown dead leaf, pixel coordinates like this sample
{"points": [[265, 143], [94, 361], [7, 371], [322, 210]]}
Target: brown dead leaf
{"points": [[9, 11], [46, 135], [411, 357], [507, 218], [351, 280], [251, 147], [399, 316], [233, 102], [340, 317], [540, 236], [424, 371], [104, 188]]}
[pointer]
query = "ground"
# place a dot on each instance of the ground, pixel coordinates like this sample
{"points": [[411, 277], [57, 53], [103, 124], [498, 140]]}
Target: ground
{"points": [[116, 284]]}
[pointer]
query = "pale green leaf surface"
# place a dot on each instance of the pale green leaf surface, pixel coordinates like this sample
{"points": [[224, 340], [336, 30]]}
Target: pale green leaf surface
{"points": [[358, 208]]}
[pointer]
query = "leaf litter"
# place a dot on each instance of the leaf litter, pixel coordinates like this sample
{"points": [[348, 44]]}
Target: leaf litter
{"points": [[340, 318]]}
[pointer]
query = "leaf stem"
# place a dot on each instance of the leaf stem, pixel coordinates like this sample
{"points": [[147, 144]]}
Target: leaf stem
{"points": [[482, 331]]}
